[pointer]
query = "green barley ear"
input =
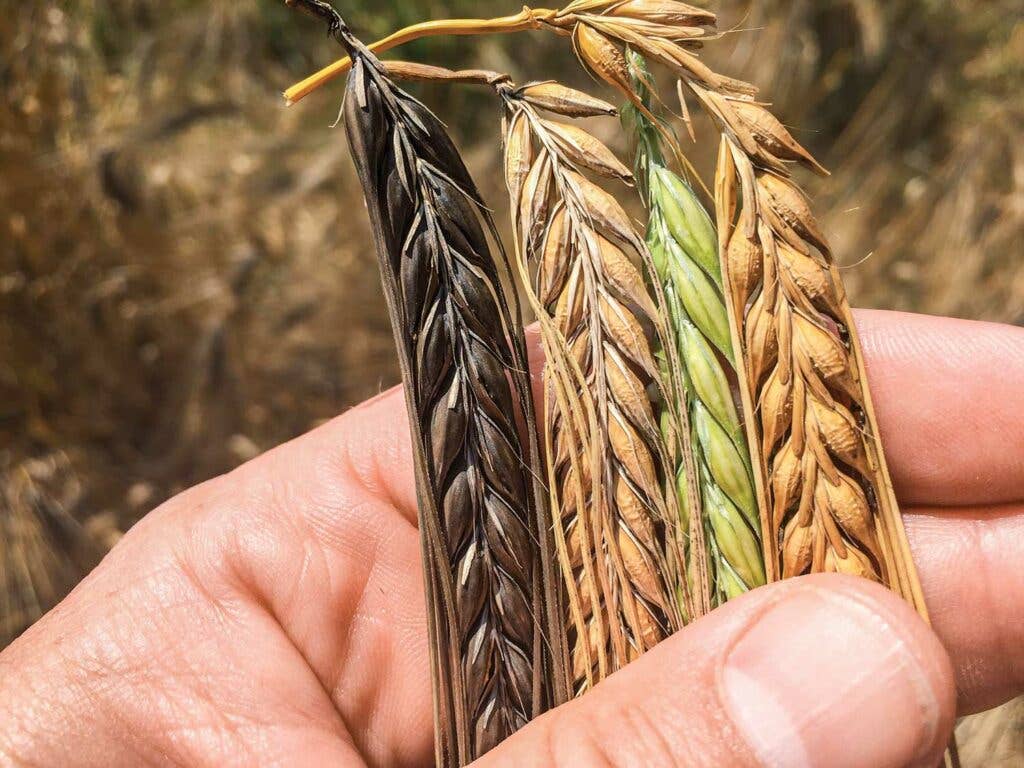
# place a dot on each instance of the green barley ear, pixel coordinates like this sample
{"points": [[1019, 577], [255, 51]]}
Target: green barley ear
{"points": [[684, 249]]}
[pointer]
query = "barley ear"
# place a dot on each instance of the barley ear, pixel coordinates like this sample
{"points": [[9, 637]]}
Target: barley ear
{"points": [[827, 501], [830, 504], [683, 239], [612, 482], [483, 517]]}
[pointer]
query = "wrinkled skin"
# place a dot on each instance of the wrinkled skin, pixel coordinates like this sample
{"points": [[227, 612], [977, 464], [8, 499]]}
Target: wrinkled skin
{"points": [[274, 616]]}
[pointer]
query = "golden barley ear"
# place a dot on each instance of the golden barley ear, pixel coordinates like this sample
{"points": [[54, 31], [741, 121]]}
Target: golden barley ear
{"points": [[825, 495], [826, 498]]}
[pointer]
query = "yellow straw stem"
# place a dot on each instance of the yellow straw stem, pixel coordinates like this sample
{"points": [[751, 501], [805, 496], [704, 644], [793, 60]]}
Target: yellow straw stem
{"points": [[526, 19]]}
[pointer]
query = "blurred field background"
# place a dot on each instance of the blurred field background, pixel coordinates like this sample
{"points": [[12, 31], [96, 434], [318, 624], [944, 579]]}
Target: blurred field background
{"points": [[185, 275]]}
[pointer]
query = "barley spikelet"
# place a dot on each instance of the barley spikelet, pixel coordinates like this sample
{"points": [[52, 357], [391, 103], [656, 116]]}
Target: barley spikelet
{"points": [[482, 510], [684, 247], [619, 539]]}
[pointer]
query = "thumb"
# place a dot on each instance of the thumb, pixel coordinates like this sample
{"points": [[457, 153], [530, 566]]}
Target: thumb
{"points": [[819, 671]]}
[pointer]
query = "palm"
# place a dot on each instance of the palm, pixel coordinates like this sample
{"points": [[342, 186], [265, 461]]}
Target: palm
{"points": [[277, 617]]}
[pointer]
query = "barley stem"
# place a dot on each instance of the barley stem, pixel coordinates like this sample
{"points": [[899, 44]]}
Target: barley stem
{"points": [[526, 19]]}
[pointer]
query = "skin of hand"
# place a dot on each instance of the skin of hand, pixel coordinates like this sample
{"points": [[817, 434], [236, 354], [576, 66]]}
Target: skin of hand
{"points": [[274, 616]]}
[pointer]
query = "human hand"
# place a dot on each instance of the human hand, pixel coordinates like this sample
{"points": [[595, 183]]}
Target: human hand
{"points": [[275, 616]]}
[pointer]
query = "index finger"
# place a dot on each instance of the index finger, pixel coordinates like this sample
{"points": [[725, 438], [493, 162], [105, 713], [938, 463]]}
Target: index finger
{"points": [[947, 394]]}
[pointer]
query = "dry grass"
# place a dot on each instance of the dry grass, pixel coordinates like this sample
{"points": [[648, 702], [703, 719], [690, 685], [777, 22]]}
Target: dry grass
{"points": [[44, 550]]}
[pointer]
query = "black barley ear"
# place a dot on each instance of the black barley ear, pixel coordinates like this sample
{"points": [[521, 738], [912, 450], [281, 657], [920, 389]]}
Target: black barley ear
{"points": [[493, 610]]}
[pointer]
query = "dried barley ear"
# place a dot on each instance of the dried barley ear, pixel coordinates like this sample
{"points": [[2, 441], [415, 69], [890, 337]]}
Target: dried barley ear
{"points": [[825, 495], [482, 510], [611, 472], [828, 500]]}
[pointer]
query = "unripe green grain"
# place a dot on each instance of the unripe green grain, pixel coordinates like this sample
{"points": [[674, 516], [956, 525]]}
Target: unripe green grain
{"points": [[700, 298], [684, 246], [707, 377], [727, 466], [687, 221], [739, 547]]}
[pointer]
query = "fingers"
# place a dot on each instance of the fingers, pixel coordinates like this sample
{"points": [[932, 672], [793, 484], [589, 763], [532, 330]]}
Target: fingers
{"points": [[947, 394], [818, 671], [155, 659], [969, 563], [344, 481]]}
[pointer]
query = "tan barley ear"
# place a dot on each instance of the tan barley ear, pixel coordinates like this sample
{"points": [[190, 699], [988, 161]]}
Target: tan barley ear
{"points": [[608, 472], [825, 493]]}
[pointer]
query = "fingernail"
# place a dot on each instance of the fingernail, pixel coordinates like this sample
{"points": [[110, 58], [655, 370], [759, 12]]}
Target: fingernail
{"points": [[823, 680]]}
